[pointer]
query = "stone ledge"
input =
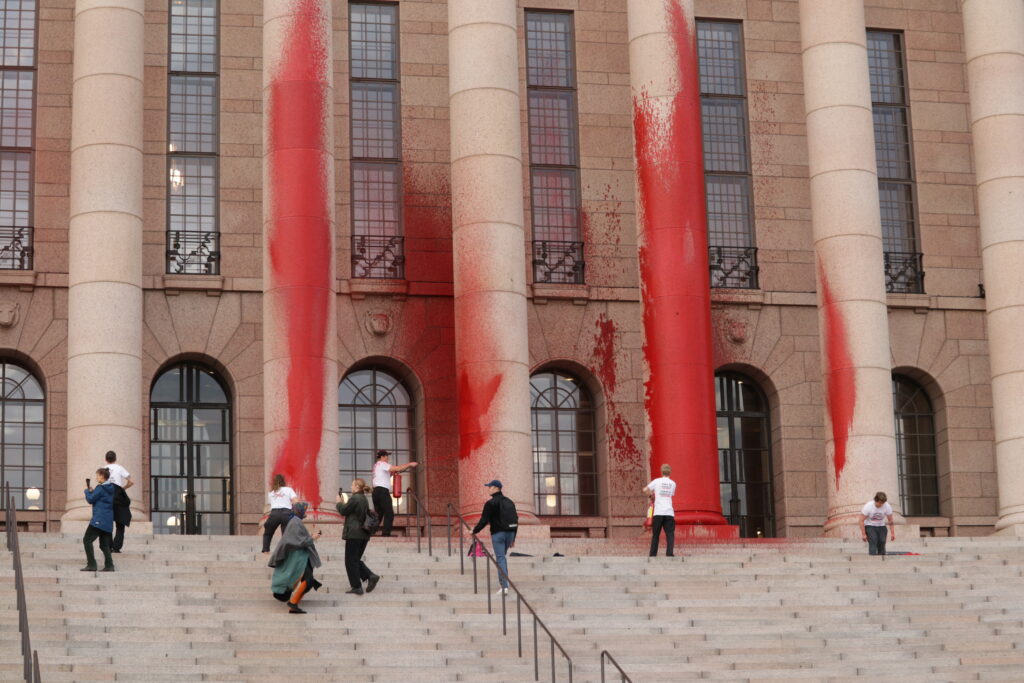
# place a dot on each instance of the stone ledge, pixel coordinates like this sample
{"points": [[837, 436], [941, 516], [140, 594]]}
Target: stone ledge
{"points": [[211, 284], [25, 280], [358, 288], [541, 293]]}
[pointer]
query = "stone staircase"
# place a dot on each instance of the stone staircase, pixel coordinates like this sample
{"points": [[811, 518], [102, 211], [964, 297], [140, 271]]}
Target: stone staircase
{"points": [[199, 608]]}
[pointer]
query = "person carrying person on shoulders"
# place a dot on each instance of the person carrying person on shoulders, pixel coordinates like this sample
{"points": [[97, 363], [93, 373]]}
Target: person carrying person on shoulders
{"points": [[294, 559], [661, 490], [873, 519], [121, 480], [280, 498], [500, 514], [101, 525], [356, 538], [382, 471]]}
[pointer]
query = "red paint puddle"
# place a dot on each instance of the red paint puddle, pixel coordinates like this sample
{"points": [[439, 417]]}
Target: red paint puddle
{"points": [[300, 238], [840, 382], [475, 398]]}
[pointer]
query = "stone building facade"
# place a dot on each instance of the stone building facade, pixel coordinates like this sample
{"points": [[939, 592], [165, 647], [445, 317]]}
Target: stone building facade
{"points": [[130, 276]]}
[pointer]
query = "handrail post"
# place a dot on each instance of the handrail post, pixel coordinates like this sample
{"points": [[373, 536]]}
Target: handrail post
{"points": [[519, 622], [536, 651], [448, 533]]}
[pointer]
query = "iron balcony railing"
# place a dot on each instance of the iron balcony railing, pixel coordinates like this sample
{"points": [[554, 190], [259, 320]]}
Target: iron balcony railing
{"points": [[193, 253], [30, 657], [733, 267], [16, 248], [904, 272], [557, 262], [381, 257]]}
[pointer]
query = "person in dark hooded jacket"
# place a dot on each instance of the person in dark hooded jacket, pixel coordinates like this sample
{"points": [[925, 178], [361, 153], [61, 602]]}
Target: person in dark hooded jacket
{"points": [[101, 526], [294, 559]]}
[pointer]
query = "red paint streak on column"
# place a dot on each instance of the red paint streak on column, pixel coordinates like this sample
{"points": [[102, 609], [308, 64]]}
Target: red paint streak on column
{"points": [[475, 398], [840, 381], [300, 243], [621, 444], [680, 396]]}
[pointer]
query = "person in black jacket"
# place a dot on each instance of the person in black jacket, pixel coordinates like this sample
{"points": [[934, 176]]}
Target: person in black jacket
{"points": [[503, 536], [356, 538]]}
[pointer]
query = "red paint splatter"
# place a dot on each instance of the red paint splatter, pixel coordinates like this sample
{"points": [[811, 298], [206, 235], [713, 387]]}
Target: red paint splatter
{"points": [[621, 444], [840, 380], [300, 239], [679, 393], [427, 206], [475, 400]]}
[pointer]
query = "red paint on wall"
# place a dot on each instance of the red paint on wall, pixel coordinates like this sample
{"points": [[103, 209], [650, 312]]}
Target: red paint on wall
{"points": [[621, 444], [427, 217], [840, 380], [475, 400], [679, 393], [300, 239]]}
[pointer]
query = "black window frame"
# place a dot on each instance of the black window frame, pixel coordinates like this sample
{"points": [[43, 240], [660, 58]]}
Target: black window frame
{"points": [[904, 269], [378, 256], [731, 266], [193, 252], [916, 504], [17, 243], [556, 261]]}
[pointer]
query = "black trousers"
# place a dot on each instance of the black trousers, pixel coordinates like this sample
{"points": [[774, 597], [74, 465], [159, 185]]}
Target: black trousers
{"points": [[91, 534], [668, 523], [382, 504], [876, 539], [354, 566], [278, 517]]}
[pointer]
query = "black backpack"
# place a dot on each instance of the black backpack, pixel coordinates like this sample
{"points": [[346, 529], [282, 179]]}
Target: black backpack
{"points": [[508, 518], [371, 523]]}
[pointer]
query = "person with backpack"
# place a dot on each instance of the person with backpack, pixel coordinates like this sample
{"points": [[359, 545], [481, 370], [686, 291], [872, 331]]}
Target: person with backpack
{"points": [[360, 523], [500, 513]]}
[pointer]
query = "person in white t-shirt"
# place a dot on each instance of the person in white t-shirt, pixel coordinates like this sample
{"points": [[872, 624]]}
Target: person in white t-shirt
{"points": [[382, 471], [873, 519], [661, 491], [281, 498], [122, 480]]}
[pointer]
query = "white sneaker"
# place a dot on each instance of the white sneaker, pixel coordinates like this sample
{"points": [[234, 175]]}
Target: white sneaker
{"points": [[501, 591]]}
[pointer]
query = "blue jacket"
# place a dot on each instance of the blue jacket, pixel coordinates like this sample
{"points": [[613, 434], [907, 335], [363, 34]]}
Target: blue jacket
{"points": [[102, 500]]}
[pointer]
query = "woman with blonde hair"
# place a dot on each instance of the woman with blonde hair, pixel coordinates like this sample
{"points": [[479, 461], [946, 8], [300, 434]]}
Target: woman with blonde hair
{"points": [[281, 498], [356, 538]]}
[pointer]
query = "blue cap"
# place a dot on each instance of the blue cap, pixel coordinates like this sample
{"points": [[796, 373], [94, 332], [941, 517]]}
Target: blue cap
{"points": [[493, 482]]}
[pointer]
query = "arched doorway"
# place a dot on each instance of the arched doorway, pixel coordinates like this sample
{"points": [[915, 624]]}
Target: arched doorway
{"points": [[190, 452], [744, 455], [564, 454], [22, 436], [375, 411], [915, 448]]}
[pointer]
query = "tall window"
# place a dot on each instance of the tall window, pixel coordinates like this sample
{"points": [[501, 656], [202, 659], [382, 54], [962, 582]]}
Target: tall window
{"points": [[915, 448], [22, 436], [190, 452], [374, 412], [903, 268], [554, 148], [564, 454], [731, 252], [193, 93], [17, 131], [744, 456], [378, 249]]}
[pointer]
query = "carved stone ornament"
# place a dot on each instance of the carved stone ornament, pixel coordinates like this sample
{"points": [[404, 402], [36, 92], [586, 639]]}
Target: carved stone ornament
{"points": [[378, 322], [736, 332], [8, 313]]}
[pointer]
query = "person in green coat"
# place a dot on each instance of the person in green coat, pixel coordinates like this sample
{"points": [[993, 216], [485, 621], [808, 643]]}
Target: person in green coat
{"points": [[356, 538], [294, 559]]}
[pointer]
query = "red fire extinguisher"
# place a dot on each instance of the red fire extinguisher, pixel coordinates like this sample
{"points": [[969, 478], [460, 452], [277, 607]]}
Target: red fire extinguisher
{"points": [[396, 485]]}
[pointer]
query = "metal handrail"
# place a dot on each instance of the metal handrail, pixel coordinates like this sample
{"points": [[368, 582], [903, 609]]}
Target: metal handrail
{"points": [[422, 513], [29, 656], [623, 678], [520, 600]]}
